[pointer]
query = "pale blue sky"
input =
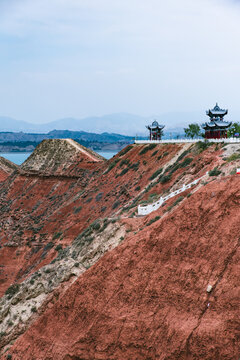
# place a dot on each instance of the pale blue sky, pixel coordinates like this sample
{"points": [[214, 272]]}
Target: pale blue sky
{"points": [[77, 58]]}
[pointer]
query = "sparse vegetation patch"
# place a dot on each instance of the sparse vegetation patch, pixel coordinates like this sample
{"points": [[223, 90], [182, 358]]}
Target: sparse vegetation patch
{"points": [[77, 209], [147, 148], [12, 290], [214, 172], [124, 151], [153, 220], [49, 246], [112, 165], [233, 157], [164, 179], [203, 145], [155, 174], [135, 166], [186, 162], [123, 172], [154, 153], [99, 196], [124, 162], [116, 204], [175, 203], [57, 235]]}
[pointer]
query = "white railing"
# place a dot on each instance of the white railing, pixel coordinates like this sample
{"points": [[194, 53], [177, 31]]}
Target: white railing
{"points": [[227, 141], [145, 210]]}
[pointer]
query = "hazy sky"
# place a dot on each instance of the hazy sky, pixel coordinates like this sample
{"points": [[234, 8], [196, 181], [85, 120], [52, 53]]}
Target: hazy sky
{"points": [[62, 58]]}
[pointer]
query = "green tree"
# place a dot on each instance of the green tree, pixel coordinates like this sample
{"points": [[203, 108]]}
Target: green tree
{"points": [[234, 129], [192, 131]]}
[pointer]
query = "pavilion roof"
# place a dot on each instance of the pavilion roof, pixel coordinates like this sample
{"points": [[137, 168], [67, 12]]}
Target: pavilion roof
{"points": [[155, 125], [216, 111], [216, 124]]}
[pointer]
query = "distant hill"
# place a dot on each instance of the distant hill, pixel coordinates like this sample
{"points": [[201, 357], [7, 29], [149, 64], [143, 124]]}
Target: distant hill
{"points": [[20, 141], [10, 124], [126, 124], [63, 134]]}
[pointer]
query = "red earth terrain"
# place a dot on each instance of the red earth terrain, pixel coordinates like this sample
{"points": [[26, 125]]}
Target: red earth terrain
{"points": [[38, 205], [145, 299], [148, 299]]}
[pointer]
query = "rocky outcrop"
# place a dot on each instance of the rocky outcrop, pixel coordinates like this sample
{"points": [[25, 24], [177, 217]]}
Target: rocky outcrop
{"points": [[58, 156], [6, 168]]}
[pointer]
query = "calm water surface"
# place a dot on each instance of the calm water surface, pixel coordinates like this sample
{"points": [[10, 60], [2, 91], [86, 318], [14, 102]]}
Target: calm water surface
{"points": [[19, 158], [107, 154]]}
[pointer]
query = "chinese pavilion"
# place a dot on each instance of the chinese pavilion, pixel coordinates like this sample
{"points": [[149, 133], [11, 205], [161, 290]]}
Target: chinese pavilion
{"points": [[155, 130], [216, 128]]}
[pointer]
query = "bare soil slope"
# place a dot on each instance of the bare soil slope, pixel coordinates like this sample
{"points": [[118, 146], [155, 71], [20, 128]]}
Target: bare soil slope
{"points": [[148, 299], [40, 209], [60, 213]]}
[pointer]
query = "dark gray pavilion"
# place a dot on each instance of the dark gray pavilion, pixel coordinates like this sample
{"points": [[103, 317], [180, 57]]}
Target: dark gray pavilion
{"points": [[156, 130], [216, 128]]}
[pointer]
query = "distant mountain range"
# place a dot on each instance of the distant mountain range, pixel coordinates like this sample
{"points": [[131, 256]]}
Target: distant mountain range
{"points": [[63, 134], [20, 141], [119, 123], [123, 123]]}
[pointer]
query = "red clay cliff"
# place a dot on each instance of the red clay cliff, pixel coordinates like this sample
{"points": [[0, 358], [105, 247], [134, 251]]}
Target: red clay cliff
{"points": [[148, 298]]}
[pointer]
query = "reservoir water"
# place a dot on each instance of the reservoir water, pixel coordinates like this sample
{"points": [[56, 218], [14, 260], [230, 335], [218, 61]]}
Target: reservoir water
{"points": [[19, 158]]}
